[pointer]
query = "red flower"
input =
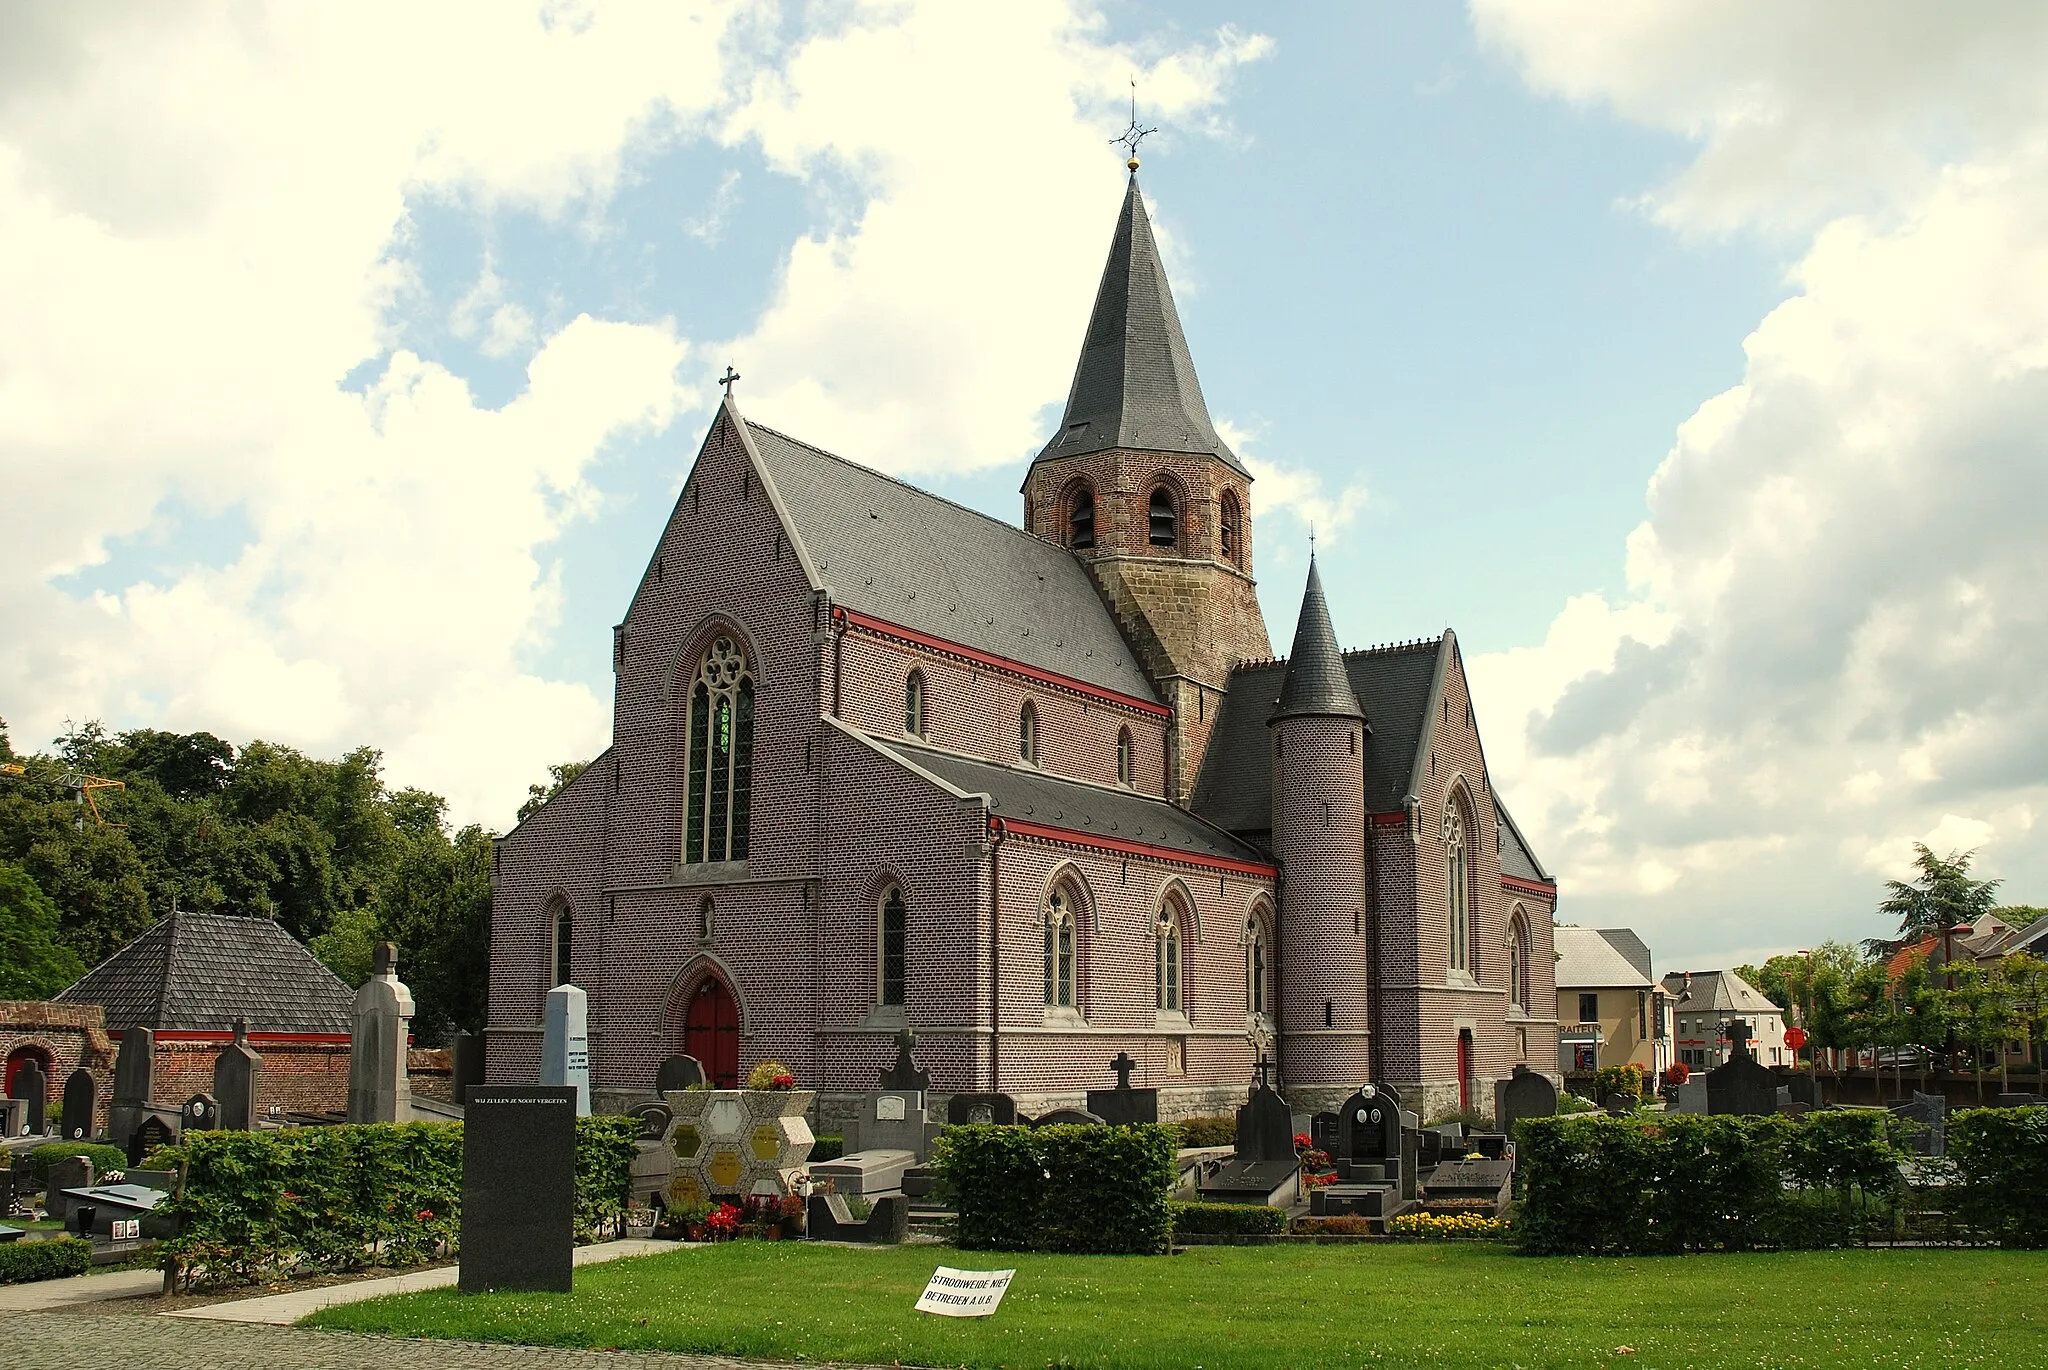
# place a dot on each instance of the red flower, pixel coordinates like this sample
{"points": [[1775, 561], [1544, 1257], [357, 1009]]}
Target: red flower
{"points": [[1301, 1141], [785, 1082], [426, 1213]]}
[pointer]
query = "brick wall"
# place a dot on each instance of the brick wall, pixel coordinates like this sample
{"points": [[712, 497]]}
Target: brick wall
{"points": [[1319, 835]]}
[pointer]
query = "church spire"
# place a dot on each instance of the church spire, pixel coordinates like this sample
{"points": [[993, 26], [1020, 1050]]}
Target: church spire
{"points": [[1135, 385], [1316, 683]]}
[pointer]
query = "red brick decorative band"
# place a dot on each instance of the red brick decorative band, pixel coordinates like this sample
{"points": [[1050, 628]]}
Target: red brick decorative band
{"points": [[1537, 887], [1145, 849], [884, 628], [201, 1035], [1393, 818]]}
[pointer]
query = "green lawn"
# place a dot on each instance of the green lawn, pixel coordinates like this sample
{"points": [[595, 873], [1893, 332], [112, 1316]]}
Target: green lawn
{"points": [[1407, 1305]]}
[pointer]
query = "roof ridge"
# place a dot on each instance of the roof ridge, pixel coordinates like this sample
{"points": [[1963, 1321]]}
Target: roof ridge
{"points": [[1004, 524]]}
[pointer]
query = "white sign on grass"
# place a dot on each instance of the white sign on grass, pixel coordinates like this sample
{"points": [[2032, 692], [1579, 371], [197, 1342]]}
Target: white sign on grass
{"points": [[964, 1293]]}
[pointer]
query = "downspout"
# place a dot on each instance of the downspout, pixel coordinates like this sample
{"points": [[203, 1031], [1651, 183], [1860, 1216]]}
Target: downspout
{"points": [[838, 655], [999, 830]]}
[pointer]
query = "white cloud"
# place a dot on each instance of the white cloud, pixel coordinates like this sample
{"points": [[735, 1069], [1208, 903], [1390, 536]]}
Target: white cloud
{"points": [[1295, 490], [1835, 632]]}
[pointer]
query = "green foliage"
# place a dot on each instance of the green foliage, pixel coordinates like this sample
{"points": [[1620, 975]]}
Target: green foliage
{"points": [[1627, 1078], [103, 1158], [33, 963], [1076, 1189], [1599, 1185], [558, 780], [1214, 1131], [22, 1261], [829, 1146], [604, 1163], [2000, 1157], [1572, 1103], [1943, 895], [1230, 1220]]}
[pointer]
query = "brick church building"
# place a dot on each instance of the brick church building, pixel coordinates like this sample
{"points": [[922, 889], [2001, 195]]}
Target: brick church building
{"points": [[1041, 793]]}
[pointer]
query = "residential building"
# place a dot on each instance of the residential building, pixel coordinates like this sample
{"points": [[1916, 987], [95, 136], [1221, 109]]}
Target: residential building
{"points": [[1705, 1002], [1610, 1011]]}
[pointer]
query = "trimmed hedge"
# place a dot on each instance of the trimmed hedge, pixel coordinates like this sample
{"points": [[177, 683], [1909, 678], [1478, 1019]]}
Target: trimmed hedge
{"points": [[2000, 1157], [298, 1200], [829, 1147], [22, 1261], [104, 1158], [1225, 1220], [1686, 1182], [1090, 1189], [1217, 1131]]}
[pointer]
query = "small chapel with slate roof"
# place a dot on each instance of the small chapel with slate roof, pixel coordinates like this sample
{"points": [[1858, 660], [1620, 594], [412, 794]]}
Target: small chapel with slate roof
{"points": [[1041, 794]]}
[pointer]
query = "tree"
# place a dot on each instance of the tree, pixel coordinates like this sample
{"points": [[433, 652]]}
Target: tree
{"points": [[1978, 1007], [2013, 915], [559, 777], [435, 904], [1944, 896], [2028, 976], [34, 964]]}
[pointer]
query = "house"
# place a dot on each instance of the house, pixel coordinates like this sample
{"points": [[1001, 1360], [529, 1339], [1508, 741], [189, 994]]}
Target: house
{"points": [[1704, 1002], [1610, 1010]]}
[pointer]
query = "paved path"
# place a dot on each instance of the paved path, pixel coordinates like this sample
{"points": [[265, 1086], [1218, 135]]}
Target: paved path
{"points": [[286, 1309], [65, 1341], [115, 1284]]}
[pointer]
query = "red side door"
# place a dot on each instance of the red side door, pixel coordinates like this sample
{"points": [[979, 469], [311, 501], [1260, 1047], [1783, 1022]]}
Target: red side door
{"points": [[711, 1033]]}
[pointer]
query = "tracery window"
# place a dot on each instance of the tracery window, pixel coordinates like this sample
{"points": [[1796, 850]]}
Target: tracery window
{"points": [[721, 756], [1162, 519], [1518, 960], [1123, 756], [1081, 520], [895, 918], [1459, 884], [1059, 951], [1258, 966], [1167, 963], [913, 704], [1229, 527], [1027, 734]]}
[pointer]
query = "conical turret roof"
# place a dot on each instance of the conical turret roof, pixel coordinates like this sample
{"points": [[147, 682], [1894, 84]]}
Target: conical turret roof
{"points": [[1135, 385], [1316, 682]]}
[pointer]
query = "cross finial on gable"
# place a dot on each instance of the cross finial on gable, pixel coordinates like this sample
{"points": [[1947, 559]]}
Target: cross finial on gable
{"points": [[728, 378]]}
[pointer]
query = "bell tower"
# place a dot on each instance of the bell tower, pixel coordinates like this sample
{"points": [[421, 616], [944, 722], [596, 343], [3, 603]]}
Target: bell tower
{"points": [[1138, 484]]}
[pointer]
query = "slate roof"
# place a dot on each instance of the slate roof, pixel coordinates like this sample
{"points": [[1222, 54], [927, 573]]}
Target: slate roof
{"points": [[1588, 958], [1515, 857], [198, 972], [1394, 685], [1315, 682], [898, 553], [1026, 795], [1135, 383], [1716, 989]]}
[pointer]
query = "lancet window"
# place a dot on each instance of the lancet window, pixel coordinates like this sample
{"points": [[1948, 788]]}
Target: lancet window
{"points": [[721, 756]]}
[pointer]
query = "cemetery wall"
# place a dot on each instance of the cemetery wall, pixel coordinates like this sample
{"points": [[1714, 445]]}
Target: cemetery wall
{"points": [[301, 1074], [71, 1035]]}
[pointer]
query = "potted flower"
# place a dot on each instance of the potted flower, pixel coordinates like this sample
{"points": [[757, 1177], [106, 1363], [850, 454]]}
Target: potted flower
{"points": [[770, 1075], [639, 1222]]}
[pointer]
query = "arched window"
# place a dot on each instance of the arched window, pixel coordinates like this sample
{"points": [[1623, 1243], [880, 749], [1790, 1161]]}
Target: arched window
{"points": [[1059, 951], [1160, 514], [1230, 533], [1081, 520], [1167, 944], [721, 752], [1518, 960], [913, 704], [1458, 882], [564, 941], [894, 930], [1123, 756], [707, 919], [1027, 734], [1258, 967]]}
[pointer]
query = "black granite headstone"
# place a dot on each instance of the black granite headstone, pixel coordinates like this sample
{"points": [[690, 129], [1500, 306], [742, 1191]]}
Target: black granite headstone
{"points": [[153, 1131], [32, 1087], [134, 1083], [1123, 1104], [202, 1113], [467, 1062], [1000, 1109], [81, 1098], [1741, 1085], [1265, 1127], [677, 1072], [1805, 1089], [518, 1188], [654, 1120], [1618, 1105], [1368, 1136], [1323, 1132], [237, 1078], [1525, 1094], [66, 1173], [903, 1072]]}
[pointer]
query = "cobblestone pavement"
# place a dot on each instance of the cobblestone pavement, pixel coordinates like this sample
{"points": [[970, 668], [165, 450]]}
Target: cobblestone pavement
{"points": [[69, 1341]]}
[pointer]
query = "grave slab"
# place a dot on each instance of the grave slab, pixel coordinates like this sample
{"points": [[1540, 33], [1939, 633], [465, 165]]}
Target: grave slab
{"points": [[865, 1173], [518, 1188]]}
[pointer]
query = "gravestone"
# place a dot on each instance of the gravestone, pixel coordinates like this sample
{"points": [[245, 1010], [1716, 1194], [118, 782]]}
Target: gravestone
{"points": [[202, 1113], [830, 1219], [379, 1088], [32, 1087], [865, 1173], [891, 1120], [653, 1166], [654, 1120], [903, 1072], [1741, 1086], [1322, 1134], [134, 1083], [67, 1172], [1067, 1117], [678, 1073], [999, 1109], [7, 1193], [156, 1129], [518, 1188], [1473, 1177], [1264, 1166], [1123, 1104], [466, 1061], [1618, 1105], [1369, 1138], [1804, 1089], [1926, 1119], [81, 1100], [237, 1077], [565, 1043], [120, 1212], [1525, 1094], [2017, 1101], [13, 1117], [1691, 1096]]}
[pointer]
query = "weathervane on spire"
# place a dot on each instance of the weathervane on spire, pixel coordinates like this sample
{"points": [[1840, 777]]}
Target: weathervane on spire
{"points": [[1135, 134]]}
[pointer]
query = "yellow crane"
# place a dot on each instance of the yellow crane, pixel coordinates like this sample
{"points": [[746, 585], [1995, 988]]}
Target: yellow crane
{"points": [[82, 787]]}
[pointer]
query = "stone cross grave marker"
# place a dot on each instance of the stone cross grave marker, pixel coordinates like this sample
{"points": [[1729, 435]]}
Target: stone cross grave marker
{"points": [[237, 1073], [903, 1073], [518, 1188], [565, 1043], [1123, 1104], [81, 1100], [1741, 1085], [32, 1087]]}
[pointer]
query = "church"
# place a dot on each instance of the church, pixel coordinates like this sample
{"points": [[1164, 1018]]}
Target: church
{"points": [[1041, 794]]}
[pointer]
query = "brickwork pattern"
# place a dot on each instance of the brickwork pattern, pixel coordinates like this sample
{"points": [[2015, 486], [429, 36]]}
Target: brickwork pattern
{"points": [[1319, 835]]}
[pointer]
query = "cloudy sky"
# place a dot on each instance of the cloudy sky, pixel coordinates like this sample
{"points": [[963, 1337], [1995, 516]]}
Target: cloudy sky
{"points": [[1690, 360]]}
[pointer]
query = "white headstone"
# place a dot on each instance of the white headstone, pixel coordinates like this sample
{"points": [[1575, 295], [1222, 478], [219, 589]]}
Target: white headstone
{"points": [[379, 1089], [565, 1043]]}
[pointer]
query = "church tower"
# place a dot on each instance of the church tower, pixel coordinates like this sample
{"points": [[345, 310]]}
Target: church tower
{"points": [[1319, 735], [1138, 484]]}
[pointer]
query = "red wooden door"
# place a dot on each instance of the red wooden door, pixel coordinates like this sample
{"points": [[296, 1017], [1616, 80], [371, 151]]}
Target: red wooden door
{"points": [[711, 1033], [1464, 1070], [15, 1061]]}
